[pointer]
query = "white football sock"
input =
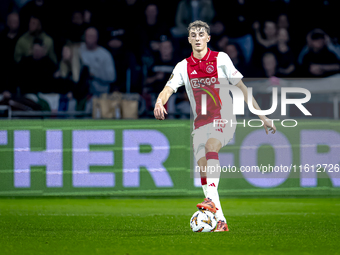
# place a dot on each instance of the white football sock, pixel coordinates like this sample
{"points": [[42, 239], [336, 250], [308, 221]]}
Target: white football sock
{"points": [[213, 179]]}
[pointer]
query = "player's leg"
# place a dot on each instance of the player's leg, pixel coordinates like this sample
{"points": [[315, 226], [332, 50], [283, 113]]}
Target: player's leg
{"points": [[219, 137], [202, 163], [212, 147], [200, 137], [210, 177], [207, 203]]}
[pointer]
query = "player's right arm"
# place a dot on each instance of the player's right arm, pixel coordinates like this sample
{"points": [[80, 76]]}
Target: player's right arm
{"points": [[163, 97], [175, 81]]}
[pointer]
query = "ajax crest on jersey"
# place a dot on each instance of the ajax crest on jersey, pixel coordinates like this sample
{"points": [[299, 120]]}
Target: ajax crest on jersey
{"points": [[210, 68], [203, 221]]}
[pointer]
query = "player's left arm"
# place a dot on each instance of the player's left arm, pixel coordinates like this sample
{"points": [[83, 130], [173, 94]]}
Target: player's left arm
{"points": [[267, 123]]}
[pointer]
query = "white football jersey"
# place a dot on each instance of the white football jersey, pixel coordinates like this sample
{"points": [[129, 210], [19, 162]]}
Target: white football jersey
{"points": [[199, 76]]}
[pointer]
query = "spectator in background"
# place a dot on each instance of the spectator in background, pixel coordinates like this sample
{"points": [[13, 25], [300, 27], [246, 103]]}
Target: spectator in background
{"points": [[238, 23], [162, 68], [333, 47], [189, 11], [283, 53], [8, 40], [67, 78], [99, 62], [69, 69], [117, 31], [122, 54], [75, 30], [222, 43], [37, 8], [282, 21], [158, 74], [87, 16], [270, 33], [217, 28], [262, 44], [115, 44], [10, 34], [318, 61], [217, 31], [36, 71], [294, 33], [237, 58], [72, 79], [153, 29], [24, 45], [269, 65]]}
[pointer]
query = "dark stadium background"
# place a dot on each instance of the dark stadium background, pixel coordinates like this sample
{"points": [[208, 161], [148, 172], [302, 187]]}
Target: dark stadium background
{"points": [[134, 40], [86, 172]]}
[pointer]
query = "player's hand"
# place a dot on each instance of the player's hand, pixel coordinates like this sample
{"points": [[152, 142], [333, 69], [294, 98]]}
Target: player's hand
{"points": [[159, 110], [269, 126]]}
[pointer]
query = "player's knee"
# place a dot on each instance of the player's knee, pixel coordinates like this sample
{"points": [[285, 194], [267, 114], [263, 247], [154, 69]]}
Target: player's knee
{"points": [[210, 147], [213, 145]]}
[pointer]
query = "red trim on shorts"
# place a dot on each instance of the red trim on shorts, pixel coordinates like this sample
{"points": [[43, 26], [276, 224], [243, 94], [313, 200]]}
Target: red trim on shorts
{"points": [[211, 155]]}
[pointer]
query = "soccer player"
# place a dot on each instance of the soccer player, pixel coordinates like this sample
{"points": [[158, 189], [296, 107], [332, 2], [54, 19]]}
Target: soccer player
{"points": [[201, 73]]}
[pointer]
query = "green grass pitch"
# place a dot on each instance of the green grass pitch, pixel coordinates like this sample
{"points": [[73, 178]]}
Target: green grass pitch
{"points": [[161, 226]]}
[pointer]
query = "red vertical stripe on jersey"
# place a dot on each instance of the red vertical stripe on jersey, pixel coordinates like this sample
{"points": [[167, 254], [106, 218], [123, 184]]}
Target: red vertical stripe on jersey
{"points": [[203, 73]]}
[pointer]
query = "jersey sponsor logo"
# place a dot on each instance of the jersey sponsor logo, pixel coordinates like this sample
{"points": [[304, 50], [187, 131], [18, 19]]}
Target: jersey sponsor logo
{"points": [[171, 76], [210, 68], [201, 82], [194, 72], [233, 74]]}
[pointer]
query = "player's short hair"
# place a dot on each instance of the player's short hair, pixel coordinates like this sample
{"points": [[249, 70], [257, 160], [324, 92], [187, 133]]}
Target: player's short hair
{"points": [[199, 24]]}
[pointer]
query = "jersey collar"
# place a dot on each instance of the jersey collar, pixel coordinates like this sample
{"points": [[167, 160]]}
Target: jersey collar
{"points": [[206, 56]]}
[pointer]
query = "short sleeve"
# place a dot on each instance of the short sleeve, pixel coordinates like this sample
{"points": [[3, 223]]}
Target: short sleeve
{"points": [[175, 80], [232, 74]]}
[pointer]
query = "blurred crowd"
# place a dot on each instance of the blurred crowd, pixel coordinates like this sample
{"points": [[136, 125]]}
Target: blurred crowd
{"points": [[80, 49]]}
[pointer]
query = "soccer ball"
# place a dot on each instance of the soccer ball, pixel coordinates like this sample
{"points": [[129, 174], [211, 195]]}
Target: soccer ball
{"points": [[203, 221]]}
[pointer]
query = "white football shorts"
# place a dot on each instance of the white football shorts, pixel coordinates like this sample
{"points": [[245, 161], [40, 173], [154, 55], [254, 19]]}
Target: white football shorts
{"points": [[222, 132]]}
